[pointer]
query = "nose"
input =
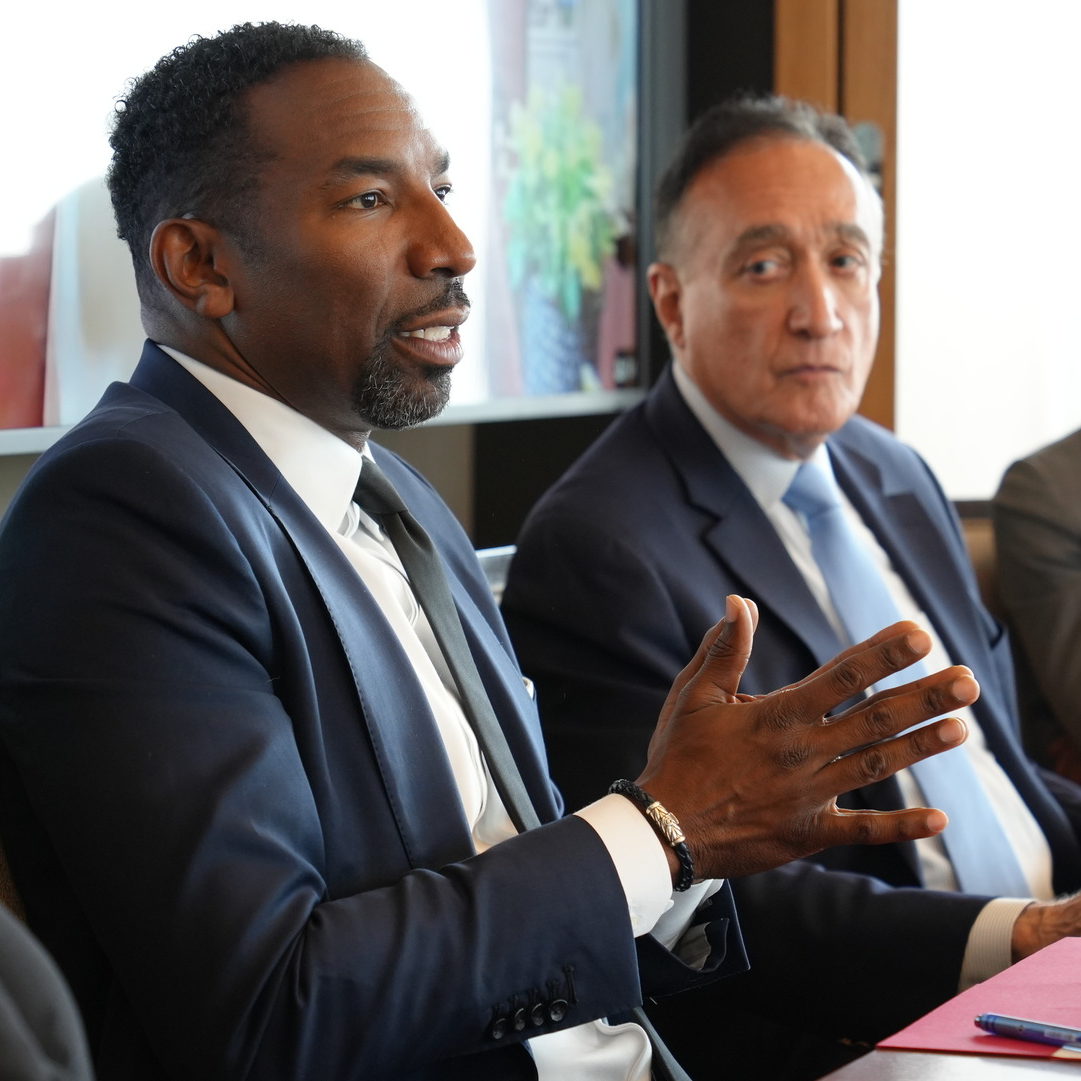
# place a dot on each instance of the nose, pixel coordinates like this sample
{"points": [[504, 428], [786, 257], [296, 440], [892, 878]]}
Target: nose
{"points": [[439, 248], [814, 311]]}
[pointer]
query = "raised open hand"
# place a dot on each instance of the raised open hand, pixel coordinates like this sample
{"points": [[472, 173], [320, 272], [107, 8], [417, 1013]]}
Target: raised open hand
{"points": [[754, 780]]}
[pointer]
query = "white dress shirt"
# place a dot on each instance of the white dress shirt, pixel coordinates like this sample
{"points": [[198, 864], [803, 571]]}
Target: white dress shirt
{"points": [[768, 476], [324, 470]]}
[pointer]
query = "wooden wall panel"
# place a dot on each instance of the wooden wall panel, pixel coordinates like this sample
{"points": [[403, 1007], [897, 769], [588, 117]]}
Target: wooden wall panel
{"points": [[842, 56], [868, 94], [807, 43]]}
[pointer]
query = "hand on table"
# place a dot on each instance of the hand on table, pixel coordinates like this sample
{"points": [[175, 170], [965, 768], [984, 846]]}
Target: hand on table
{"points": [[1044, 922]]}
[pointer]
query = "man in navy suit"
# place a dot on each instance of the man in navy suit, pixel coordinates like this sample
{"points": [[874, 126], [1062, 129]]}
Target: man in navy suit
{"points": [[770, 237], [242, 783]]}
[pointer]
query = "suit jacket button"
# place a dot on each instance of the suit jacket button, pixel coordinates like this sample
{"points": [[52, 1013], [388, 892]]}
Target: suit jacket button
{"points": [[499, 1028], [538, 1014], [557, 1010], [519, 1019]]}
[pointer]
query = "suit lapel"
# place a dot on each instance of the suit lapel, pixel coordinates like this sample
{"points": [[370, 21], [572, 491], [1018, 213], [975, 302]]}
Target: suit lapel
{"points": [[741, 538], [386, 696], [744, 541], [916, 536], [484, 634], [938, 577], [419, 786], [915, 543], [509, 698]]}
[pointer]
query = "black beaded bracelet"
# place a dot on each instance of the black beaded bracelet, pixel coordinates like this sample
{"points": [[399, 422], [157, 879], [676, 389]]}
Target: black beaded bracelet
{"points": [[665, 823]]}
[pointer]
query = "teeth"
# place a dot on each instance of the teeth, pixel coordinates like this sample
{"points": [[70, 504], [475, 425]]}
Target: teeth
{"points": [[430, 334]]}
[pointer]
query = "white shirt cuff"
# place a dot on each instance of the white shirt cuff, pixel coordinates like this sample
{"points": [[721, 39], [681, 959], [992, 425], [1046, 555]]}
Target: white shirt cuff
{"points": [[642, 865], [639, 857], [989, 948]]}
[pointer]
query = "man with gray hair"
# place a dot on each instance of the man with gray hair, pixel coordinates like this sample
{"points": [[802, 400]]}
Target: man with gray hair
{"points": [[747, 470]]}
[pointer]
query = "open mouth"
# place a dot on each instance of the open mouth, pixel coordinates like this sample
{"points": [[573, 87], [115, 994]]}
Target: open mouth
{"points": [[429, 334], [439, 344]]}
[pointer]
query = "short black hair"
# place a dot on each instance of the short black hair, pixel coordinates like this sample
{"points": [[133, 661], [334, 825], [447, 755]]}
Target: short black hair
{"points": [[720, 129], [180, 139]]}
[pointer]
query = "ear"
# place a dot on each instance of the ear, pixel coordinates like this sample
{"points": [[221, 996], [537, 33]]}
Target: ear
{"points": [[190, 259], [667, 295]]}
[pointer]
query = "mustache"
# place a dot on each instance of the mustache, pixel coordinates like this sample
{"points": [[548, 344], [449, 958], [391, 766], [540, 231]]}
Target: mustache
{"points": [[454, 296]]}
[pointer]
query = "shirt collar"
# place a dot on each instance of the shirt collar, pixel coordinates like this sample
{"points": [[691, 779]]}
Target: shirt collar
{"points": [[320, 467], [765, 472]]}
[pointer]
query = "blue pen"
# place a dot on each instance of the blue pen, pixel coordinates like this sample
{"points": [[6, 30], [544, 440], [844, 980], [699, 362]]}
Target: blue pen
{"points": [[1018, 1028]]}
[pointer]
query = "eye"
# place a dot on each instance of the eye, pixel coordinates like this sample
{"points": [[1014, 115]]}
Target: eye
{"points": [[847, 261], [443, 192], [764, 268], [367, 200]]}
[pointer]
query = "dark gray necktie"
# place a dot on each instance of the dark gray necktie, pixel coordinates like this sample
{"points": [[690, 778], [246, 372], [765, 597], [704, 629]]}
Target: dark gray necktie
{"points": [[429, 583]]}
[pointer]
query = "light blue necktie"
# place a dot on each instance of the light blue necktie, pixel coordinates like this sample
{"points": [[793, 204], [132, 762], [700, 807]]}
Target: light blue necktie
{"points": [[982, 857]]}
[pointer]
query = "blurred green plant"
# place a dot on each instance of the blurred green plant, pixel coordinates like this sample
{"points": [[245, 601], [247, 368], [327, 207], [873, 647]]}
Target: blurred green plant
{"points": [[557, 206]]}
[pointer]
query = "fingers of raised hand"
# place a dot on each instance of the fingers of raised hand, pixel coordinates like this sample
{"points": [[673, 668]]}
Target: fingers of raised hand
{"points": [[737, 627], [863, 745], [894, 710], [881, 760], [725, 649], [860, 666], [884, 827], [803, 835], [716, 667]]}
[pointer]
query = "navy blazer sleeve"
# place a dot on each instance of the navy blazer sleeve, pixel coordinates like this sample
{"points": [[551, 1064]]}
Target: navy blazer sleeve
{"points": [[207, 826]]}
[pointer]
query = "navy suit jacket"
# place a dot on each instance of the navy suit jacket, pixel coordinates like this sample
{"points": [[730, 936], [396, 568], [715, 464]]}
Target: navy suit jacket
{"points": [[621, 569], [224, 797]]}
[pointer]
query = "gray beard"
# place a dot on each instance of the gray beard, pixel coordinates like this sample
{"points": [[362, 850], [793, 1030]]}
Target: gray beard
{"points": [[385, 400]]}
